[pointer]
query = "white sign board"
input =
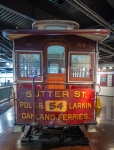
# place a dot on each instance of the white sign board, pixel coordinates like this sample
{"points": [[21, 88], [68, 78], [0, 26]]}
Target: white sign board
{"points": [[109, 80]]}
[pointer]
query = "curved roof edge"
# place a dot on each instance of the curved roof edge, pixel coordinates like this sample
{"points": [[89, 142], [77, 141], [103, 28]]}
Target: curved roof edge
{"points": [[98, 35]]}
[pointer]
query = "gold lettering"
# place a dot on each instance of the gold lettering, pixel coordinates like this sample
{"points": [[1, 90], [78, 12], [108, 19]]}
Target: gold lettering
{"points": [[40, 105], [69, 116], [25, 105], [75, 117], [42, 92], [89, 105], [86, 116], [52, 116], [23, 116], [27, 115], [57, 93], [60, 116], [80, 116], [21, 104], [46, 116], [77, 94], [28, 94], [83, 94], [29, 106], [83, 105], [79, 105], [65, 93], [41, 116], [75, 106], [69, 106], [65, 117]]}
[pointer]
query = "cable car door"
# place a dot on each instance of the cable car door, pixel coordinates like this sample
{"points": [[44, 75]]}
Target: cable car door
{"points": [[54, 62]]}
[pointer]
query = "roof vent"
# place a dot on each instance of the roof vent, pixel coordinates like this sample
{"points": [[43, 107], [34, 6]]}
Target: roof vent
{"points": [[55, 25]]}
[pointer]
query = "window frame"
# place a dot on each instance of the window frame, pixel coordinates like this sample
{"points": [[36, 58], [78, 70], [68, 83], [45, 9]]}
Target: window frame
{"points": [[38, 79], [57, 60], [81, 79], [50, 43]]}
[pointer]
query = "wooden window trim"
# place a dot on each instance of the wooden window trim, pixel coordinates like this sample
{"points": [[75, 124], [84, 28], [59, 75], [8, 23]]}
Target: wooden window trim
{"points": [[40, 78], [81, 79]]}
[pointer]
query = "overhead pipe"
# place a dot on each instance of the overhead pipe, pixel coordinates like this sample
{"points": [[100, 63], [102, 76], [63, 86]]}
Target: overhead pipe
{"points": [[86, 10], [91, 12], [5, 58], [107, 46], [104, 50], [87, 13], [8, 49]]}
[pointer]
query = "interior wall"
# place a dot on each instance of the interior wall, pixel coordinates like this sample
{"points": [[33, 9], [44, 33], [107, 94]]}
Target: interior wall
{"points": [[106, 86]]}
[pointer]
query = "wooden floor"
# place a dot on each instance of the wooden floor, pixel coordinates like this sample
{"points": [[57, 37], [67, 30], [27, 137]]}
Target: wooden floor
{"points": [[101, 136]]}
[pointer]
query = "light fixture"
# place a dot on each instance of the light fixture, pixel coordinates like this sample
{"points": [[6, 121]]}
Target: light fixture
{"points": [[104, 67], [7, 63]]}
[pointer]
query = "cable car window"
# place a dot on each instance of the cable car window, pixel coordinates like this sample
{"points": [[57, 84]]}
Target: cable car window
{"points": [[49, 27], [56, 59], [29, 64], [81, 65]]}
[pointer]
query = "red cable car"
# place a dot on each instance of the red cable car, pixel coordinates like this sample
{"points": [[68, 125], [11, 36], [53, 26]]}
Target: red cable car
{"points": [[54, 78]]}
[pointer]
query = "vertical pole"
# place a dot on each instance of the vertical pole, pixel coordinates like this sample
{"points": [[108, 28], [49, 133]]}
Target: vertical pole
{"points": [[33, 91]]}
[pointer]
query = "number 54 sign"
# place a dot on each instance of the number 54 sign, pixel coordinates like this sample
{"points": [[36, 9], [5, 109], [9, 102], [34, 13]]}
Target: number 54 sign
{"points": [[56, 106]]}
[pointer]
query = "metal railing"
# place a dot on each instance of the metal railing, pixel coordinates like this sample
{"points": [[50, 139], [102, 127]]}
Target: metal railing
{"points": [[5, 93]]}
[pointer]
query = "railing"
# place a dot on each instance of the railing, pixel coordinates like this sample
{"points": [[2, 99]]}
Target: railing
{"points": [[5, 93]]}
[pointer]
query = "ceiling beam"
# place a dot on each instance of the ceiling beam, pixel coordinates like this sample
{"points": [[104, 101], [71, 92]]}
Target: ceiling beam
{"points": [[5, 58], [90, 13], [111, 2], [5, 44], [4, 65], [25, 10]]}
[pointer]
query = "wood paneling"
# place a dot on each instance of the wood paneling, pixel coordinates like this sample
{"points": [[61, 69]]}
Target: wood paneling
{"points": [[35, 42], [55, 78]]}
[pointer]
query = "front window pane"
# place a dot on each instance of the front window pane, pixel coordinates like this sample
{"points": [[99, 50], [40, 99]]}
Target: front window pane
{"points": [[56, 27], [81, 65], [29, 65], [56, 59]]}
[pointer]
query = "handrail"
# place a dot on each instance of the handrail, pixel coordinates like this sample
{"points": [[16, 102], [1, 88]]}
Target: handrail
{"points": [[5, 93], [34, 121], [99, 88]]}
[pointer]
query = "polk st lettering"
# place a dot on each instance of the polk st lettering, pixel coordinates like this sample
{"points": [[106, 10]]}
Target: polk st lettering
{"points": [[29, 105]]}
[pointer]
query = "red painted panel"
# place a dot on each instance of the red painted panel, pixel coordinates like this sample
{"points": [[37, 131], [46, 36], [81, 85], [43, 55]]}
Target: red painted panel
{"points": [[113, 80], [103, 80], [56, 107], [35, 42]]}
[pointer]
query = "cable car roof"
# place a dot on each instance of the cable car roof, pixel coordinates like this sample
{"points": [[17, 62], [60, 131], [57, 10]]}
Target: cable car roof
{"points": [[98, 35]]}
